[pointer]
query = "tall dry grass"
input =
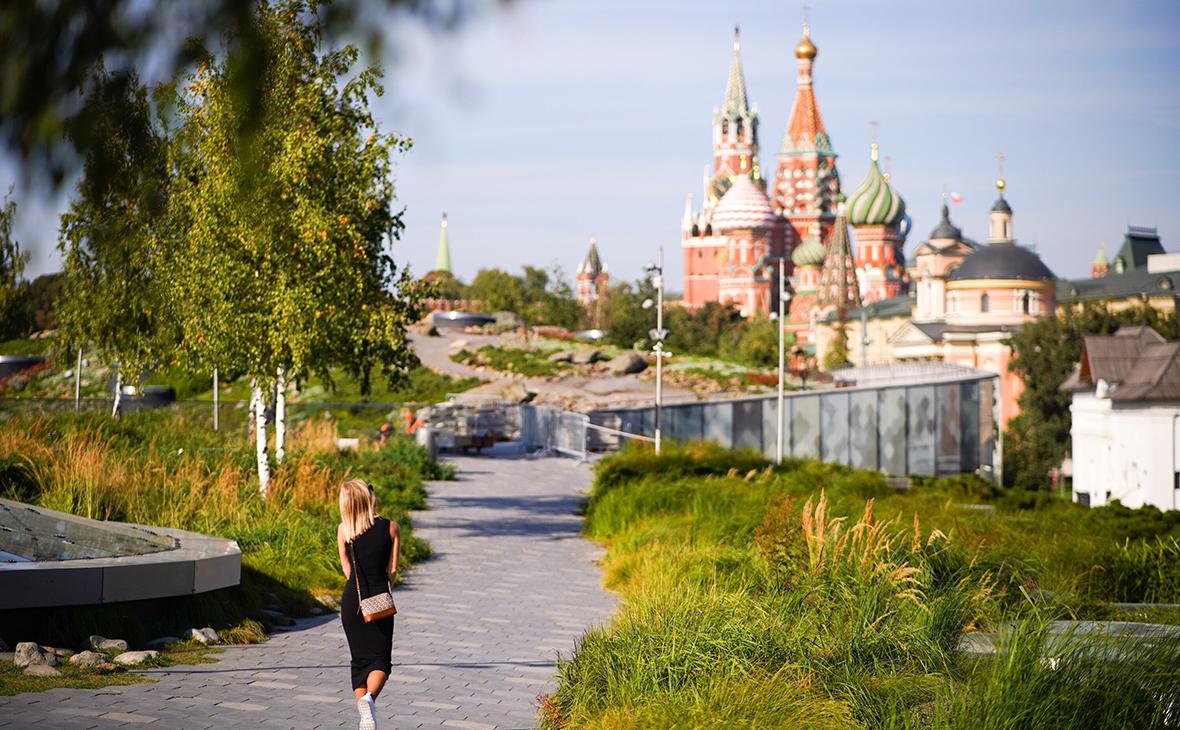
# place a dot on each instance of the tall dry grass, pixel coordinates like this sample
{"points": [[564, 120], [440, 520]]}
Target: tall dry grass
{"points": [[155, 468]]}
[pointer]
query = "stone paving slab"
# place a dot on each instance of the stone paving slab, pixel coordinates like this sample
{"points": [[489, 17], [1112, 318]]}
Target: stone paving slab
{"points": [[479, 626]]}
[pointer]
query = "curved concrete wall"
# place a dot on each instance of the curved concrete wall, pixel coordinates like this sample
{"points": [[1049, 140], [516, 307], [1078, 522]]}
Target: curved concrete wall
{"points": [[197, 563]]}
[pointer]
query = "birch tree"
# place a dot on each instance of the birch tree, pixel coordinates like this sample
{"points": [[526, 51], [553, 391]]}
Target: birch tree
{"points": [[283, 267], [111, 298]]}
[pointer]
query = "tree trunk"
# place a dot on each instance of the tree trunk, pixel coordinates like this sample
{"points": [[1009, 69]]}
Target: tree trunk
{"points": [[118, 405], [259, 410], [280, 416]]}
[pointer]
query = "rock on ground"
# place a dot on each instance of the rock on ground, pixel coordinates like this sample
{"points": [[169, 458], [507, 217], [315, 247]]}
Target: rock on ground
{"points": [[132, 658], [627, 363], [562, 356], [586, 356], [105, 644], [41, 670], [508, 391], [205, 635], [88, 659], [28, 654]]}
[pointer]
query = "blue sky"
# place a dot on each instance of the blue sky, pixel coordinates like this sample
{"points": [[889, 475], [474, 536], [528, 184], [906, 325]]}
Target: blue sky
{"points": [[541, 124]]}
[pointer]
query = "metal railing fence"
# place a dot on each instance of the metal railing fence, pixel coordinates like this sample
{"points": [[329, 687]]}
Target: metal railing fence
{"points": [[553, 430]]}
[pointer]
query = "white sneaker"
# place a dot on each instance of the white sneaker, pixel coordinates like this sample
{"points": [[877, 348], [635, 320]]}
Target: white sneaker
{"points": [[367, 709]]}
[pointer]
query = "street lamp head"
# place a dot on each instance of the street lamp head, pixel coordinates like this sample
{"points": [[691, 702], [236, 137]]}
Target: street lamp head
{"points": [[648, 304]]}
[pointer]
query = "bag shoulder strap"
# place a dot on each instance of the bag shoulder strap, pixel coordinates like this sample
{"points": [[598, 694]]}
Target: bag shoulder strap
{"points": [[356, 572]]}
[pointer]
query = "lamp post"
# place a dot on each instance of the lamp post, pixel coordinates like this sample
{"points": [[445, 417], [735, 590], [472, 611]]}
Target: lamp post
{"points": [[784, 298], [656, 273]]}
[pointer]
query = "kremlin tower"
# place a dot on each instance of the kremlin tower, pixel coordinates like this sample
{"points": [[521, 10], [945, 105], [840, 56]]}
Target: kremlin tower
{"points": [[591, 280], [745, 222]]}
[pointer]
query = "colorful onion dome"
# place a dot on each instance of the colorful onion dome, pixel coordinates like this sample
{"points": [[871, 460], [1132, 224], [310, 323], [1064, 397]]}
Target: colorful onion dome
{"points": [[809, 253], [874, 203], [806, 49], [744, 206]]}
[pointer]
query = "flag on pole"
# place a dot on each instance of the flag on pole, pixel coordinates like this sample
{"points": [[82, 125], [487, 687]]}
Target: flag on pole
{"points": [[956, 198]]}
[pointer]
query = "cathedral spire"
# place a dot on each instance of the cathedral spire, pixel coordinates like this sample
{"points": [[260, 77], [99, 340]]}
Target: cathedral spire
{"points": [[442, 261], [736, 103]]}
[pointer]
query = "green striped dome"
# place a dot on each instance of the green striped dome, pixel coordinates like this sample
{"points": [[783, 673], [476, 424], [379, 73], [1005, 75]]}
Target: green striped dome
{"points": [[874, 203], [809, 253]]}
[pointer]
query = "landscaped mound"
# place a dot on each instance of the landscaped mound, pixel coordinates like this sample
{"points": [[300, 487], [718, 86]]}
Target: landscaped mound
{"points": [[164, 468], [811, 595]]}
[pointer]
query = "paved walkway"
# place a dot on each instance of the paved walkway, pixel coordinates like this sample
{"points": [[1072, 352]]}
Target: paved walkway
{"points": [[478, 628]]}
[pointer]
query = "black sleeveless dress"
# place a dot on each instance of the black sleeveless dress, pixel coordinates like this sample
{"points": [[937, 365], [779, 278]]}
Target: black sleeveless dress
{"points": [[370, 644]]}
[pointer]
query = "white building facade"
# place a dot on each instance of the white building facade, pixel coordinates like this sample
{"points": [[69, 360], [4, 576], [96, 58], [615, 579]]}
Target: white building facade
{"points": [[1126, 420]]}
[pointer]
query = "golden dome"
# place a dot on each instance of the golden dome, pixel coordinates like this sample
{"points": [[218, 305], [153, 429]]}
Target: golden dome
{"points": [[806, 49]]}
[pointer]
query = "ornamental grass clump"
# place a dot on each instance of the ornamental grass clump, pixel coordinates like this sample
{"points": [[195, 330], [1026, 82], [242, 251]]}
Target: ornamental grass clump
{"points": [[159, 468]]}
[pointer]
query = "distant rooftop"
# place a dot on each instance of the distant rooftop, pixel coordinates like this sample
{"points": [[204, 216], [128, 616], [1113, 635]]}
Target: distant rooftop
{"points": [[918, 372]]}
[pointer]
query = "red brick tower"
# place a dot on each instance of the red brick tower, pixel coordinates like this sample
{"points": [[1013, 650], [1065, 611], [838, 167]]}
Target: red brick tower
{"points": [[592, 279], [807, 182], [735, 152]]}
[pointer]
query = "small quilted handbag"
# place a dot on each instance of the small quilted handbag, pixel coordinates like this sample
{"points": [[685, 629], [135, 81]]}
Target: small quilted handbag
{"points": [[373, 608]]}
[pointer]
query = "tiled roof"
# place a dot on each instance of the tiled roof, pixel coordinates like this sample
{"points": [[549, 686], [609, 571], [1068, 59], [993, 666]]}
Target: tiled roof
{"points": [[1135, 362], [1118, 286], [1138, 244]]}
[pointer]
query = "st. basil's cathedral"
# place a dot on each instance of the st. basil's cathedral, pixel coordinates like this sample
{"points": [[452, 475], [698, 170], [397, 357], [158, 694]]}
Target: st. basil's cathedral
{"points": [[736, 242]]}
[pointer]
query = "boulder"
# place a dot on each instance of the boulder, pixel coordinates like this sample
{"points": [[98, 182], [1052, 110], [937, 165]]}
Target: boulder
{"points": [[562, 356], [204, 636], [586, 356], [29, 654], [104, 644], [88, 659], [135, 658], [58, 652], [506, 390], [41, 670], [162, 641], [628, 363]]}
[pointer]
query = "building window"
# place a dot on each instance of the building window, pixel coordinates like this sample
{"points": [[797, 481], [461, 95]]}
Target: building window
{"points": [[1024, 302], [984, 305], [952, 303]]}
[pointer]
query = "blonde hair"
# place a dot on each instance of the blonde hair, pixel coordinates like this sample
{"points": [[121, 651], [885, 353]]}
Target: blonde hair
{"points": [[356, 508]]}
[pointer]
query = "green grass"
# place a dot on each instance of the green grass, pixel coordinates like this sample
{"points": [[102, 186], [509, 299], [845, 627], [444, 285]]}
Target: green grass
{"points": [[163, 468], [25, 346], [530, 363], [811, 595]]}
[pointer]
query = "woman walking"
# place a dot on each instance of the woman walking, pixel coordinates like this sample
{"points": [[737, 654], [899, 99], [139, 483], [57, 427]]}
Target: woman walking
{"points": [[368, 547]]}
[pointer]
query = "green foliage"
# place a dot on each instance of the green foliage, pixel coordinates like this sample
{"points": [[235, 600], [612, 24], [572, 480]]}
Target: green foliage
{"points": [[35, 305], [12, 265], [1044, 354], [164, 468], [1139, 571], [624, 319], [777, 597], [278, 255], [537, 296], [759, 343], [837, 355], [713, 330], [1044, 681], [112, 300]]}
